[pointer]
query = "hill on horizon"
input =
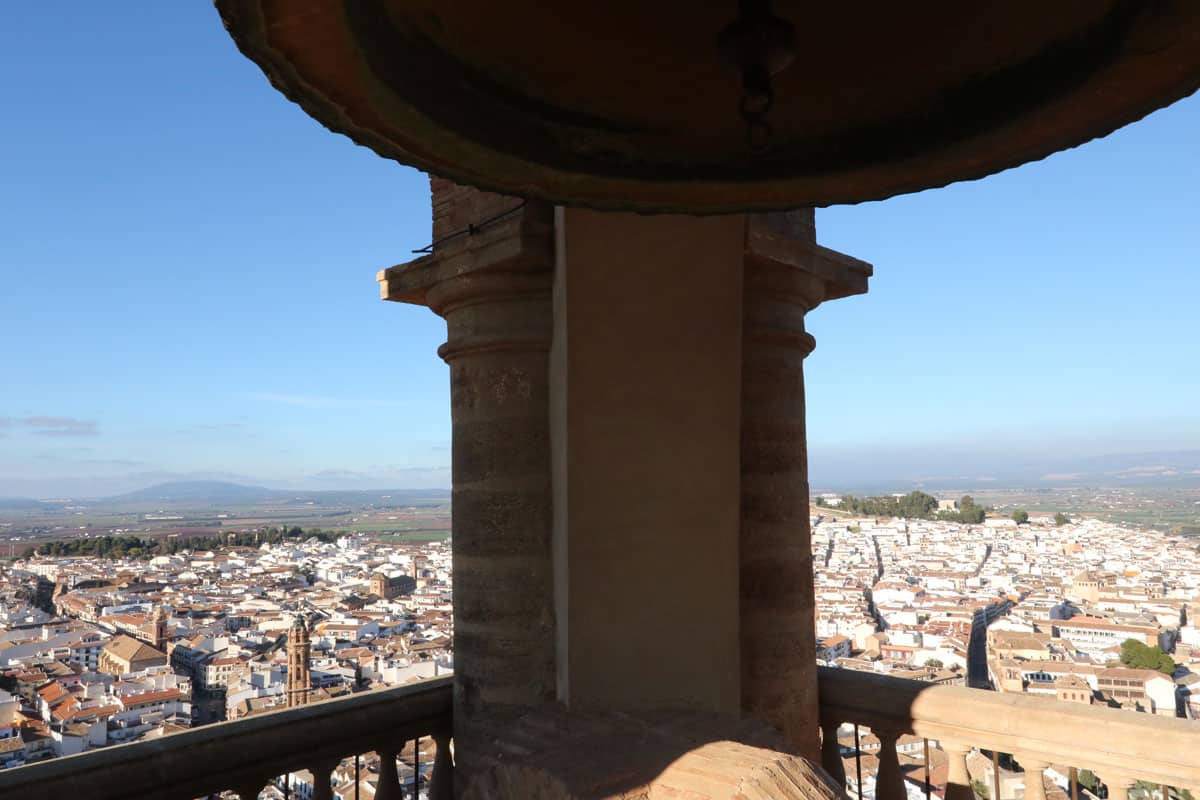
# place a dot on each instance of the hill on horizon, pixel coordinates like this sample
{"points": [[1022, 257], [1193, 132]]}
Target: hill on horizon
{"points": [[196, 490], [227, 493]]}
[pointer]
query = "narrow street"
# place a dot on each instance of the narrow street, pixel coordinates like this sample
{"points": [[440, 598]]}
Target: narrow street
{"points": [[977, 669]]}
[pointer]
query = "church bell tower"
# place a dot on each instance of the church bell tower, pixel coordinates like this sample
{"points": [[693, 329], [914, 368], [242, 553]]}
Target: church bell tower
{"points": [[299, 649]]}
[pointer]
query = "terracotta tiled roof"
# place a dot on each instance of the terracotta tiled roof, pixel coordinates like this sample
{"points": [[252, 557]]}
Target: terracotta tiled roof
{"points": [[87, 713], [129, 649], [145, 698], [52, 691]]}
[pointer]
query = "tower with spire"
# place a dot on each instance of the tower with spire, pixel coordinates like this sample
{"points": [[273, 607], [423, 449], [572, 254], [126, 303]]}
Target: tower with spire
{"points": [[299, 650]]}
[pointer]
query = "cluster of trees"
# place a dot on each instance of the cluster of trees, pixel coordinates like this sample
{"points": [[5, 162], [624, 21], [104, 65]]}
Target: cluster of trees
{"points": [[1021, 517], [1140, 655], [967, 512], [130, 546], [914, 505]]}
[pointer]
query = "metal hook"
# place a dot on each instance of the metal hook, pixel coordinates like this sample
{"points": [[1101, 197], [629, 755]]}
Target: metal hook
{"points": [[758, 136]]}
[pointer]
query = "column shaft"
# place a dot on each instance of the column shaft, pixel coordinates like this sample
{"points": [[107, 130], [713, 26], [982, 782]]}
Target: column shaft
{"points": [[778, 645], [498, 342]]}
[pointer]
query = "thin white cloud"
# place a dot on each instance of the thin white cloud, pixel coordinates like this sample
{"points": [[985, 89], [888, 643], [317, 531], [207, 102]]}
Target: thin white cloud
{"points": [[61, 426], [296, 400], [303, 400]]}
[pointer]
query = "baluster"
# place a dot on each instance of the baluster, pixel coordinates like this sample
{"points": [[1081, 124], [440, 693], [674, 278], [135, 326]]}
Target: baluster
{"points": [[322, 779], [928, 771], [389, 779], [1073, 780], [1035, 786], [995, 775], [889, 783], [958, 781], [858, 761], [1118, 785], [441, 783], [831, 753]]}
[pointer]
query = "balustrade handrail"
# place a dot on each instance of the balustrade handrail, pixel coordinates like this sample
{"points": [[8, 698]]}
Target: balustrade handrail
{"points": [[227, 755], [1108, 741]]}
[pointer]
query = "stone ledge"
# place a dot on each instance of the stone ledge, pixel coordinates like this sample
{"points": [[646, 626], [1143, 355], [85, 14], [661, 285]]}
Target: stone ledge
{"points": [[553, 754]]}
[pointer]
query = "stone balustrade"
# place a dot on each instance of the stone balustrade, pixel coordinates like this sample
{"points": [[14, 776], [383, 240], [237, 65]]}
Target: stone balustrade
{"points": [[1120, 747], [246, 755]]}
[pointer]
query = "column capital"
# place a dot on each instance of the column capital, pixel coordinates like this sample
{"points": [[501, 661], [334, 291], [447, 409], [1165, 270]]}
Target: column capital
{"points": [[517, 243], [784, 259]]}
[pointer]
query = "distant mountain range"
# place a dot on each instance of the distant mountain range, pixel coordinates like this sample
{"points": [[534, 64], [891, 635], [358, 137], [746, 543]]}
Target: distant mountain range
{"points": [[894, 470], [20, 504], [211, 491], [850, 471], [216, 494]]}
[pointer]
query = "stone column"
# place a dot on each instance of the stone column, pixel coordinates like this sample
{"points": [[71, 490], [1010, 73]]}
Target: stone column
{"points": [[497, 347], [786, 275], [493, 287]]}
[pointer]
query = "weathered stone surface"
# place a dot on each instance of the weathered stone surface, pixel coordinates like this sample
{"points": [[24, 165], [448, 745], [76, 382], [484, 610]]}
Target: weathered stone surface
{"points": [[245, 754], [552, 754], [1037, 728], [493, 289], [682, 341], [629, 106], [456, 207], [786, 275]]}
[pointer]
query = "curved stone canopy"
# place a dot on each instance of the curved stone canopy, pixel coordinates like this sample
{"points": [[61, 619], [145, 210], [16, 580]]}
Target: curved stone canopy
{"points": [[630, 105]]}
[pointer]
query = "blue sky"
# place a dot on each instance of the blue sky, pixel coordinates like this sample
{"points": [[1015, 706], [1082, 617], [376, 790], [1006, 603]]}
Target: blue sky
{"points": [[188, 271]]}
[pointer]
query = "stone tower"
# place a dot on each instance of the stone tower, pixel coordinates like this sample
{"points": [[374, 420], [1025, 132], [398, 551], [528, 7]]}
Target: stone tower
{"points": [[299, 648], [160, 629]]}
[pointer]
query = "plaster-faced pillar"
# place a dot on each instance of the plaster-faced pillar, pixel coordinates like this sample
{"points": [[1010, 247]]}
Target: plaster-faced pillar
{"points": [[646, 382], [493, 288], [786, 275]]}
